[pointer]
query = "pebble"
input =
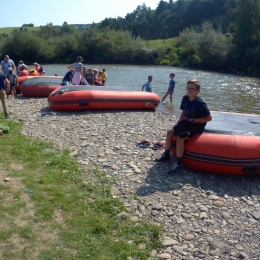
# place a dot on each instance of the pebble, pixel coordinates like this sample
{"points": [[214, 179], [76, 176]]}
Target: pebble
{"points": [[218, 203], [7, 179], [164, 256], [170, 242], [178, 249], [189, 237], [204, 216], [122, 215]]}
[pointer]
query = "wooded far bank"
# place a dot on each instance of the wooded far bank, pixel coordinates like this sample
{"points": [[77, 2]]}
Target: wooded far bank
{"points": [[220, 35]]}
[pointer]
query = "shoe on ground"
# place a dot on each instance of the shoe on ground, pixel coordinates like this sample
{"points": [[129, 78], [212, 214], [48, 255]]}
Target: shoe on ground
{"points": [[164, 158], [144, 144], [176, 168], [158, 146], [7, 116]]}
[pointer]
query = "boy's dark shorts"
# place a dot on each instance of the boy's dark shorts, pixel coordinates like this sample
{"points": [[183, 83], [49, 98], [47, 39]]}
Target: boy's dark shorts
{"points": [[187, 129], [12, 87]]}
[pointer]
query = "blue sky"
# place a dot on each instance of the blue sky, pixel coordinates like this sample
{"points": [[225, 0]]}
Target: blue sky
{"points": [[73, 12]]}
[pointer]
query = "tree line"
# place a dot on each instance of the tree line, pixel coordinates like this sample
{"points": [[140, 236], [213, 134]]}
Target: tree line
{"points": [[220, 35]]}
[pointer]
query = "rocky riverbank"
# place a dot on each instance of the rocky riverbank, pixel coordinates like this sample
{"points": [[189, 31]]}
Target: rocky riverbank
{"points": [[205, 216]]}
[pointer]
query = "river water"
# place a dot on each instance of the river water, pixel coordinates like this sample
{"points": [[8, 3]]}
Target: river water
{"points": [[222, 92]]}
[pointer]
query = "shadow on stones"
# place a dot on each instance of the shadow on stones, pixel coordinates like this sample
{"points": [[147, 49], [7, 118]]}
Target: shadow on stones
{"points": [[217, 184], [49, 111]]}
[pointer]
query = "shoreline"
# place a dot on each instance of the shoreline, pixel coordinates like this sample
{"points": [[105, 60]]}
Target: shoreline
{"points": [[204, 215]]}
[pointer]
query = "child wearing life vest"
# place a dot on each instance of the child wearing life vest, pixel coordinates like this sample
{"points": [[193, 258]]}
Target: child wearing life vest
{"points": [[39, 68]]}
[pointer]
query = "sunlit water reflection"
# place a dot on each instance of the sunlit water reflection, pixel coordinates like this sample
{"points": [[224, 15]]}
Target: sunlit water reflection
{"points": [[222, 92]]}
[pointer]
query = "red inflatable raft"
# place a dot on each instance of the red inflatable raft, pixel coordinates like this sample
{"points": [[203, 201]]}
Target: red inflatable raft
{"points": [[39, 86], [92, 97], [230, 144]]}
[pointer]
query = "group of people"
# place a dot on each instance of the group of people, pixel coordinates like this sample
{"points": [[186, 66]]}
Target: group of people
{"points": [[9, 74], [192, 121], [81, 75]]}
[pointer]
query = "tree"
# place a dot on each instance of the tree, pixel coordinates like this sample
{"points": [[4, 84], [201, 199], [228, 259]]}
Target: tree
{"points": [[246, 24]]}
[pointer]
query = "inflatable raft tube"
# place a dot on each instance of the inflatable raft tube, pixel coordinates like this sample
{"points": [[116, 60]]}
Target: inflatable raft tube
{"points": [[69, 98], [230, 144], [40, 86]]}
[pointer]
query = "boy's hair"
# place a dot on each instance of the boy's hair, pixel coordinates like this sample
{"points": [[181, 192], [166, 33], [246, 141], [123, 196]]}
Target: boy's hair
{"points": [[194, 82], [172, 74], [10, 72], [149, 77]]}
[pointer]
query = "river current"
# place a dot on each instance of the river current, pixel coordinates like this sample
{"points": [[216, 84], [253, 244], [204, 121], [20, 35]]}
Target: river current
{"points": [[222, 92]]}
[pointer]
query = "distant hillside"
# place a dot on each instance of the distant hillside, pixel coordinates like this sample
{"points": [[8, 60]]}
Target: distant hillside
{"points": [[9, 30]]}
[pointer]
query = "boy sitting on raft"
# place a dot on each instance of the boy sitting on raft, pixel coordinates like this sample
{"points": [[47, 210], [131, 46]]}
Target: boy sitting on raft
{"points": [[193, 119]]}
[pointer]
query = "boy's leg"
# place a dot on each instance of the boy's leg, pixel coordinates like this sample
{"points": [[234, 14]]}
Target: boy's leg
{"points": [[180, 147], [168, 145], [3, 100], [171, 97], [167, 93]]}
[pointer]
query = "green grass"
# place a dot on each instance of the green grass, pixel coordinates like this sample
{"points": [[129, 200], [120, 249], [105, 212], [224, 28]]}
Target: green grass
{"points": [[9, 30], [54, 209]]}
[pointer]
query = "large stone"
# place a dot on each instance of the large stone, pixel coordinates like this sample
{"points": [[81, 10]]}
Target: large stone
{"points": [[213, 197], [186, 216], [170, 242], [218, 203], [180, 220], [157, 206], [256, 215], [122, 215], [178, 249], [225, 215], [189, 237], [164, 256], [203, 215]]}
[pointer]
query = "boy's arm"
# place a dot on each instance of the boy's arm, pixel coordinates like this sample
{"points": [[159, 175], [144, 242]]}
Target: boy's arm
{"points": [[201, 120], [8, 84], [143, 87], [182, 116]]}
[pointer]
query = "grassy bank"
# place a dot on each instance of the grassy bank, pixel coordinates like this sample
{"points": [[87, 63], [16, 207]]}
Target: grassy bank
{"points": [[52, 208], [9, 30]]}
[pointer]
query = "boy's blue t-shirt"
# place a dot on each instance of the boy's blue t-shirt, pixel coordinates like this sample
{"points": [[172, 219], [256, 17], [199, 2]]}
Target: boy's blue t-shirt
{"points": [[67, 76], [195, 109], [172, 84], [148, 86], [12, 78]]}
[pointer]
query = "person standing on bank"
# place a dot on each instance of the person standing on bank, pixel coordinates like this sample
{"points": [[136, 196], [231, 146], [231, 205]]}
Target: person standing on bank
{"points": [[171, 88], [193, 119], [3, 83], [7, 64], [77, 66]]}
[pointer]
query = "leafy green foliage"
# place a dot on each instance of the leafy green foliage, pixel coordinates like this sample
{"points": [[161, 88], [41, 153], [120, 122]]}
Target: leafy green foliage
{"points": [[206, 46]]}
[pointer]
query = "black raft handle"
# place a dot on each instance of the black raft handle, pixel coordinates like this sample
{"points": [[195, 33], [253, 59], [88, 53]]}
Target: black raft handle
{"points": [[250, 169]]}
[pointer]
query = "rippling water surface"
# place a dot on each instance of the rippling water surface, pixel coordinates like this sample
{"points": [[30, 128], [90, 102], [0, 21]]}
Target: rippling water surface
{"points": [[222, 92]]}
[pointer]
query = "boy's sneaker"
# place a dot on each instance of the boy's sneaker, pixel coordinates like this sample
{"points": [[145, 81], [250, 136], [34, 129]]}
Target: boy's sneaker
{"points": [[164, 158], [144, 144], [176, 168]]}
